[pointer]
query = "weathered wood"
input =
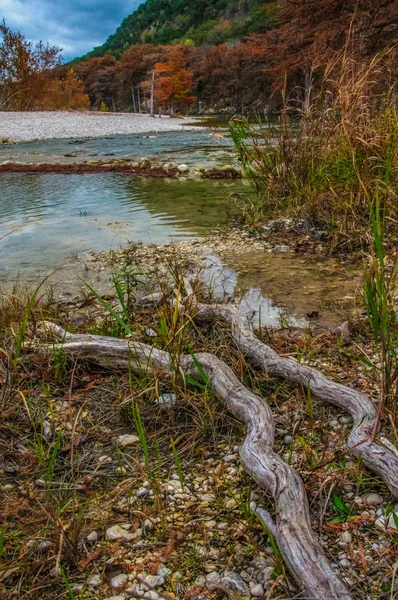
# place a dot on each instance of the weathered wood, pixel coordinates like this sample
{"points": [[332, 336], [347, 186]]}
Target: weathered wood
{"points": [[299, 546], [382, 458]]}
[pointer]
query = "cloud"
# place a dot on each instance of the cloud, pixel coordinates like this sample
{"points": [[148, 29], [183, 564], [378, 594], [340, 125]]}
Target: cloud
{"points": [[75, 25]]}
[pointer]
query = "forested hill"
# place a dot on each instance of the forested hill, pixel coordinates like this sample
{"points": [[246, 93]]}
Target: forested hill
{"points": [[190, 22]]}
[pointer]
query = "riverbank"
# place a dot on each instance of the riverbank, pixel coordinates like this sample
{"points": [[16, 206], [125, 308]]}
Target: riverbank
{"points": [[29, 126]]}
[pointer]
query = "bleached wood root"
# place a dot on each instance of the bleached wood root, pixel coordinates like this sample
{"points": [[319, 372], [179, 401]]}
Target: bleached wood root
{"points": [[298, 544], [380, 458]]}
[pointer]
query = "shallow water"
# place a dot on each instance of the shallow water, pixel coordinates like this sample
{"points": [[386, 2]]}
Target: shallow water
{"points": [[50, 221], [194, 148], [51, 218]]}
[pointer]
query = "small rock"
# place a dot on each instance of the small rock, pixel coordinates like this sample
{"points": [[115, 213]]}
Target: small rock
{"points": [[231, 504], [151, 595], [95, 580], [200, 581], [235, 583], [183, 168], [153, 581], [257, 590], [166, 400], [345, 563], [127, 440], [287, 440], [210, 524], [119, 581], [148, 525], [372, 499], [116, 598], [212, 579], [135, 591], [230, 458], [92, 537], [105, 459], [55, 572], [346, 537], [266, 574], [118, 533], [164, 571]]}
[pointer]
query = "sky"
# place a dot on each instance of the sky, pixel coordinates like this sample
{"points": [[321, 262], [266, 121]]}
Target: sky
{"points": [[74, 25]]}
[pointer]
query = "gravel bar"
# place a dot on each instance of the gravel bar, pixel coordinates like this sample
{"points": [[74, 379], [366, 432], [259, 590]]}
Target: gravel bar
{"points": [[28, 126]]}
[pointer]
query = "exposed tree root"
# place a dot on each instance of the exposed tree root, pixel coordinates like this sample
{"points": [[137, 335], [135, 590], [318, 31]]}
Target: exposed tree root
{"points": [[292, 530], [380, 458]]}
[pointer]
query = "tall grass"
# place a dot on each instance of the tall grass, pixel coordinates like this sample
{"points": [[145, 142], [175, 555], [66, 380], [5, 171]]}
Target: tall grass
{"points": [[319, 159]]}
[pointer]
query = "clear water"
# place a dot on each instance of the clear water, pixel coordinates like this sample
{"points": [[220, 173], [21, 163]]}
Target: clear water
{"points": [[49, 221], [51, 218], [195, 148]]}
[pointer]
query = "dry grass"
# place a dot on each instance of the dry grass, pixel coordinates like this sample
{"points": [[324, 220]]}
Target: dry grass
{"points": [[327, 160], [60, 420]]}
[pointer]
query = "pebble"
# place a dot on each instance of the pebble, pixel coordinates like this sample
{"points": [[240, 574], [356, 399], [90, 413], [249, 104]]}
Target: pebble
{"points": [[118, 533], [119, 581], [266, 574], [164, 571], [127, 440], [257, 590], [210, 524], [287, 440], [230, 458], [151, 595], [231, 504], [235, 583], [105, 459], [372, 499], [200, 581], [116, 598], [135, 591], [166, 400], [153, 581], [346, 537], [345, 563], [183, 168], [212, 579], [92, 537], [95, 580]]}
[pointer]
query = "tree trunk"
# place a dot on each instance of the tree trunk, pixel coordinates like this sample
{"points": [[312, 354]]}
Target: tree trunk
{"points": [[152, 102], [133, 98]]}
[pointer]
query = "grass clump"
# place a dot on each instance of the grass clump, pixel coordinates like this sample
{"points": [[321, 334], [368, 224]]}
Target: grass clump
{"points": [[329, 153]]}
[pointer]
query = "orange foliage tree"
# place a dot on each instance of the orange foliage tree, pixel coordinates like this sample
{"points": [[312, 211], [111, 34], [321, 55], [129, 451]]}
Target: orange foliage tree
{"points": [[31, 76], [174, 82], [64, 92]]}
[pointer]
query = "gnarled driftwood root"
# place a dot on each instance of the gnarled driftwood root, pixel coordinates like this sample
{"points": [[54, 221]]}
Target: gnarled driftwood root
{"points": [[292, 530], [380, 458]]}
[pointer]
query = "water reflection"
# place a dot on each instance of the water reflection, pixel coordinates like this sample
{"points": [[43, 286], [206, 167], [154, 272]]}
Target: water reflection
{"points": [[53, 217]]}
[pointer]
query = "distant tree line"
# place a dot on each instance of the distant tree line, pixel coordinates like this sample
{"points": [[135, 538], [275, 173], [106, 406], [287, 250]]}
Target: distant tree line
{"points": [[238, 76], [286, 60]]}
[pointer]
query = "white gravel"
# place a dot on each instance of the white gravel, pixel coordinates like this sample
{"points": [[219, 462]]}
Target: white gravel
{"points": [[27, 126]]}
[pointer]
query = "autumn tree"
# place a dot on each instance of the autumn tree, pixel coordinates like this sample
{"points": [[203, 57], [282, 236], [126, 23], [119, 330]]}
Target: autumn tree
{"points": [[174, 81], [311, 32], [100, 80], [24, 69], [64, 91], [134, 71]]}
